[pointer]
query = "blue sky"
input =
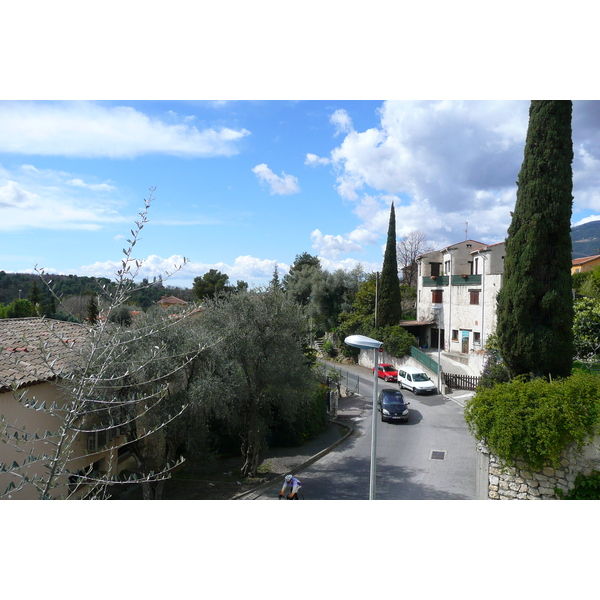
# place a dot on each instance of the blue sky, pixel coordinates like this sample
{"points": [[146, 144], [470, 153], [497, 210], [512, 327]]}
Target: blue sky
{"points": [[242, 186], [279, 167]]}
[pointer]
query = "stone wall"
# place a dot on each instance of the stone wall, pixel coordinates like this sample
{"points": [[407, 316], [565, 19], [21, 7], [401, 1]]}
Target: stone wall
{"points": [[520, 483]]}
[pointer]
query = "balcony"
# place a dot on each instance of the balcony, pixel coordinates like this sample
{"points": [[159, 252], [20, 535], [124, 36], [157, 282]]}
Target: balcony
{"points": [[466, 279], [440, 280], [435, 280]]}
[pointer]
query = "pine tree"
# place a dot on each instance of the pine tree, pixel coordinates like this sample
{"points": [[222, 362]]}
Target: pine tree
{"points": [[389, 301], [535, 306], [92, 310]]}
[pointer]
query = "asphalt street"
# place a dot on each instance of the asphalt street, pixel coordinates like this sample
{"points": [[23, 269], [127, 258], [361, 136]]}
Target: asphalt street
{"points": [[432, 457]]}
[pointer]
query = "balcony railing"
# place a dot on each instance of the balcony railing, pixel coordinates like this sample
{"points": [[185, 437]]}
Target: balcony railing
{"points": [[466, 279], [437, 280]]}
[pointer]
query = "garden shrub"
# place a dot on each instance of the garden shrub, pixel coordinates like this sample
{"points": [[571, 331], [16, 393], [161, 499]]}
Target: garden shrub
{"points": [[534, 421], [310, 421], [587, 487]]}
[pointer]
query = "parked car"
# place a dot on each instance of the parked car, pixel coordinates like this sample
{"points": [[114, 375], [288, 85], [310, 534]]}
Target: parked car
{"points": [[415, 380], [387, 372], [392, 405]]}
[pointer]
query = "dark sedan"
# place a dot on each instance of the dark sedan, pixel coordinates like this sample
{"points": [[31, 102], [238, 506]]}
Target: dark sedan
{"points": [[392, 405]]}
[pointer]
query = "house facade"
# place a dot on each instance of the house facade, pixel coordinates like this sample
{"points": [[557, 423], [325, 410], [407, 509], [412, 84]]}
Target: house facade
{"points": [[456, 294], [33, 354], [587, 263]]}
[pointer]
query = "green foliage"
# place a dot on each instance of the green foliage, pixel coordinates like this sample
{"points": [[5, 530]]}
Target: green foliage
{"points": [[495, 370], [396, 340], [535, 309], [587, 487], [310, 421], [360, 320], [389, 301], [121, 315], [535, 420], [586, 329], [256, 370], [209, 284], [588, 283], [19, 309], [92, 310], [328, 348]]}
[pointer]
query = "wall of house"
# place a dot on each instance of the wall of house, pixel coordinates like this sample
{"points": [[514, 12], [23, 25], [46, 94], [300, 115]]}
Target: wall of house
{"points": [[466, 326], [520, 483], [40, 421]]}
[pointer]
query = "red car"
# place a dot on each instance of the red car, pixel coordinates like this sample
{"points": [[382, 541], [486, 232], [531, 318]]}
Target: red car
{"points": [[387, 372]]}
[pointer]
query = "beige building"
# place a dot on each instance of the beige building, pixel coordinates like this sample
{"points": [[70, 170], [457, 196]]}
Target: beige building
{"points": [[456, 293], [587, 263], [33, 354]]}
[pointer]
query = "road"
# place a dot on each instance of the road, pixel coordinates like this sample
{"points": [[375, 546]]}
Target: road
{"points": [[432, 457]]}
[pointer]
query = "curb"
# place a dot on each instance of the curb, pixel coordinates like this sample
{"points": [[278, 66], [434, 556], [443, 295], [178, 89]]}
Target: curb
{"points": [[263, 486]]}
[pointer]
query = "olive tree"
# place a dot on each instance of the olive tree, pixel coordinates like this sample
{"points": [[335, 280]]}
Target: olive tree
{"points": [[256, 370], [106, 385]]}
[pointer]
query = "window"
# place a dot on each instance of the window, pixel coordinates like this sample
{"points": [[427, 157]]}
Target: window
{"points": [[474, 294], [477, 338], [435, 269], [436, 296], [476, 267], [455, 335], [447, 267]]}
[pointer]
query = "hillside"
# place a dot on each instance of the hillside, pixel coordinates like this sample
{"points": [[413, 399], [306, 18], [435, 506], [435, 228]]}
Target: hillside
{"points": [[586, 239]]}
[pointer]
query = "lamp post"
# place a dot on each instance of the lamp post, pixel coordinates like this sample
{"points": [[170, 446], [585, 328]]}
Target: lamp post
{"points": [[366, 343], [438, 316]]}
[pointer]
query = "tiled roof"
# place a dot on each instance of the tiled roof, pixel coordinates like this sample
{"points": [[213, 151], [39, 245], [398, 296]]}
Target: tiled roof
{"points": [[28, 346], [580, 261], [165, 300]]}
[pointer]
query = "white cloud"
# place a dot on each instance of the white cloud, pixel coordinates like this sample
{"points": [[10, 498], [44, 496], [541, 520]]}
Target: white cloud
{"points": [[347, 264], [85, 129], [31, 198], [443, 164], [312, 160], [284, 185], [585, 220], [245, 268], [95, 187], [330, 246], [342, 121]]}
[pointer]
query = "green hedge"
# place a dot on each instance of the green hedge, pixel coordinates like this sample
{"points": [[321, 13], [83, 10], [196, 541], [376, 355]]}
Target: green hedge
{"points": [[534, 421]]}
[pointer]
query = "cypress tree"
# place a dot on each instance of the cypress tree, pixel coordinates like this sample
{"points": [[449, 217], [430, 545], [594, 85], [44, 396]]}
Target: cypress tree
{"points": [[389, 302], [535, 305]]}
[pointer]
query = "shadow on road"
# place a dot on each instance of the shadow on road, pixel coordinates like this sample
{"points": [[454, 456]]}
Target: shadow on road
{"points": [[392, 482]]}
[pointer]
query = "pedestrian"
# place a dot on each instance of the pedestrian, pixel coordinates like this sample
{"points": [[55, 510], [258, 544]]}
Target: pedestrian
{"points": [[294, 485]]}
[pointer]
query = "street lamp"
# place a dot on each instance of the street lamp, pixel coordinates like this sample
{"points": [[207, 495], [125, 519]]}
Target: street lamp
{"points": [[367, 343], [438, 315]]}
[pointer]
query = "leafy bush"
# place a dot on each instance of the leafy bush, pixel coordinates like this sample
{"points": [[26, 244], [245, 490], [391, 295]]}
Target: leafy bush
{"points": [[587, 487], [494, 372], [535, 420], [328, 348], [309, 423], [396, 340]]}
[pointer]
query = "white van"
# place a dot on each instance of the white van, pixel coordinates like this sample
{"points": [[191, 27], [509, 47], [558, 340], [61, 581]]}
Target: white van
{"points": [[415, 380]]}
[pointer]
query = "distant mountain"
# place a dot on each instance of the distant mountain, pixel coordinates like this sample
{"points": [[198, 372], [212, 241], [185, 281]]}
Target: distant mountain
{"points": [[586, 239]]}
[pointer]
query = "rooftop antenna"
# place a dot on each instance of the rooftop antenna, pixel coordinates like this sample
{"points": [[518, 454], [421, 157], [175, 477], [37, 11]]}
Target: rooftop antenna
{"points": [[466, 230]]}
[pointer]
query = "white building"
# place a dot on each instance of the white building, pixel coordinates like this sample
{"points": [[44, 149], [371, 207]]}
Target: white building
{"points": [[456, 298]]}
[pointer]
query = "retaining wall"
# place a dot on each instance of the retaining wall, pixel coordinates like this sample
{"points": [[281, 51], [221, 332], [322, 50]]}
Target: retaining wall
{"points": [[495, 482]]}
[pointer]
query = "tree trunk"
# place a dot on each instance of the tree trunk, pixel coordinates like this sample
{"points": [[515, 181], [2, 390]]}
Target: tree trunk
{"points": [[251, 453]]}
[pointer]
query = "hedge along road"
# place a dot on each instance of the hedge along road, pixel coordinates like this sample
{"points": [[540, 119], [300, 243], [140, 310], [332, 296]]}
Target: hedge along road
{"points": [[432, 457]]}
